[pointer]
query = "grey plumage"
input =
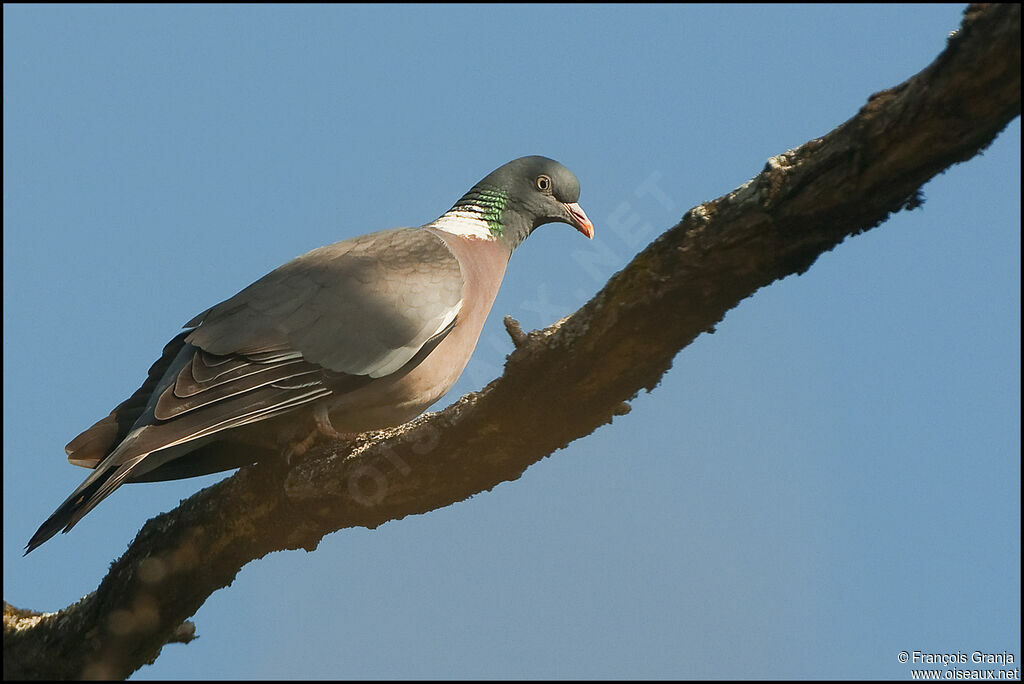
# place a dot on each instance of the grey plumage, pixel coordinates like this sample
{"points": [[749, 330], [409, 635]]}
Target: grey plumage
{"points": [[310, 303], [362, 334]]}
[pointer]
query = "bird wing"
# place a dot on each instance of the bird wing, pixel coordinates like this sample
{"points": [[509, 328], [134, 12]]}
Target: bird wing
{"points": [[363, 306], [327, 322]]}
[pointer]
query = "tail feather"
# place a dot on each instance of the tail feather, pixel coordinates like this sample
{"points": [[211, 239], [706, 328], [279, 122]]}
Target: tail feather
{"points": [[71, 511]]}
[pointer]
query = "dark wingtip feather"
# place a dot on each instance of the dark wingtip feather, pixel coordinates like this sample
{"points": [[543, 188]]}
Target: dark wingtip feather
{"points": [[69, 512], [60, 520], [45, 531]]}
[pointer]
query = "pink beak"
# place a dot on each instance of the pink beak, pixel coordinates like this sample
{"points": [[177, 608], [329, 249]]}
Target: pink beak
{"points": [[580, 220]]}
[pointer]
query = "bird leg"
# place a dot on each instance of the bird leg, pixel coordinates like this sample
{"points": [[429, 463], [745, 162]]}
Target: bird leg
{"points": [[323, 428], [326, 428]]}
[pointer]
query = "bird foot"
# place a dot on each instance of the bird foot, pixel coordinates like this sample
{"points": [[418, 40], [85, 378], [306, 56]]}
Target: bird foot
{"points": [[299, 448], [326, 428], [323, 428]]}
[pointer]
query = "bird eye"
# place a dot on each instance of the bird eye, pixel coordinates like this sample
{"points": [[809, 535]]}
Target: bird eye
{"points": [[543, 183]]}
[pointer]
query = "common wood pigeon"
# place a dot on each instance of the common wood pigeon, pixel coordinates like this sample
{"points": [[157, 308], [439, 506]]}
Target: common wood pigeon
{"points": [[359, 335]]}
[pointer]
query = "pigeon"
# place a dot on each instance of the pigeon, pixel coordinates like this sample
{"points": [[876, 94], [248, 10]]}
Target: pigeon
{"points": [[359, 335]]}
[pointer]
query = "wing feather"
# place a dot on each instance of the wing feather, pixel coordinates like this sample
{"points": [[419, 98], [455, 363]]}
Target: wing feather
{"points": [[362, 306], [328, 322]]}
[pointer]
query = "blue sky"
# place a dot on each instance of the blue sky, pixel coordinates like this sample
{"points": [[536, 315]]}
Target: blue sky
{"points": [[830, 478]]}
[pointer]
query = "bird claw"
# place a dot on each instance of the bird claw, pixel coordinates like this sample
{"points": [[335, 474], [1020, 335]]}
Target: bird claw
{"points": [[299, 448]]}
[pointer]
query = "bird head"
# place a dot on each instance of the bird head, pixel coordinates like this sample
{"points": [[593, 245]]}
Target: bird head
{"points": [[526, 193]]}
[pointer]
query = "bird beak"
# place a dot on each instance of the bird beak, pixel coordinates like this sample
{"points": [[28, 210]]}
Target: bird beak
{"points": [[579, 220]]}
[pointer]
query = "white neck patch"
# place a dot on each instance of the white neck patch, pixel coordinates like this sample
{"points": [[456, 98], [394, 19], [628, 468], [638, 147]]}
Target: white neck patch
{"points": [[465, 221]]}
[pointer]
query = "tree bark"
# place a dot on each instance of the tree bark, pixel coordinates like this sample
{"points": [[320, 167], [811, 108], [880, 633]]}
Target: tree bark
{"points": [[563, 381]]}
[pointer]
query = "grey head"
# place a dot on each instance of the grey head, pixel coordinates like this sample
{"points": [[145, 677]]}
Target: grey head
{"points": [[523, 194]]}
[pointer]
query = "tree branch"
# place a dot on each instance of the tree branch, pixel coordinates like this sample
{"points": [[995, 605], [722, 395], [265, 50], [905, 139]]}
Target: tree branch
{"points": [[564, 381]]}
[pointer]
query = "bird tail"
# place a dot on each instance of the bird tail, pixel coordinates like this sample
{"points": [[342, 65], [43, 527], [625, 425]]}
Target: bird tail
{"points": [[81, 501]]}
